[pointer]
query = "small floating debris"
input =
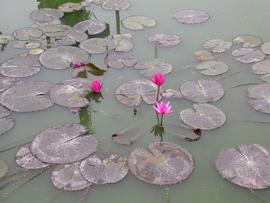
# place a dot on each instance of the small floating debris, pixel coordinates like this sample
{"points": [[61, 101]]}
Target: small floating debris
{"points": [[262, 67], [120, 60], [202, 91], [248, 55], [161, 163], [97, 45], [266, 48], [203, 55], [138, 22], [165, 40], [260, 95], [203, 116], [191, 16], [117, 5], [70, 7], [46, 15], [27, 33], [246, 166], [92, 26], [3, 169], [212, 68], [217, 45], [248, 41]]}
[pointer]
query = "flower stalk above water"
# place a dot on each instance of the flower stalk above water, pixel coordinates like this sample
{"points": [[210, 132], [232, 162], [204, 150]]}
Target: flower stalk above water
{"points": [[96, 86], [158, 79]]}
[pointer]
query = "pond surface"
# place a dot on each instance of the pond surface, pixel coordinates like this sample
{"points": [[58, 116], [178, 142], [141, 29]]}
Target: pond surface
{"points": [[243, 125]]}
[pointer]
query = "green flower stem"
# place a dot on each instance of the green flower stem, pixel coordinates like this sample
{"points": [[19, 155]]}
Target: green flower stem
{"points": [[158, 93], [117, 16], [157, 119], [156, 51], [161, 120]]}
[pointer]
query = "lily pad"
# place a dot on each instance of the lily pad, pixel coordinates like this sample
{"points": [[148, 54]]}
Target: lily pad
{"points": [[26, 159], [62, 144], [20, 67], [4, 112], [161, 164], [36, 51], [97, 45], [248, 166], [93, 27], [248, 55], [53, 30], [149, 68], [69, 177], [172, 93], [266, 48], [111, 168], [123, 42], [212, 68], [133, 92], [46, 15], [6, 124], [62, 57], [191, 16], [203, 116], [202, 91], [27, 33], [89, 3], [266, 78], [260, 97], [248, 41], [138, 22], [27, 96], [116, 5], [119, 60], [165, 40], [217, 45], [70, 7], [262, 67], [6, 83], [73, 37], [203, 55], [79, 83], [3, 169]]}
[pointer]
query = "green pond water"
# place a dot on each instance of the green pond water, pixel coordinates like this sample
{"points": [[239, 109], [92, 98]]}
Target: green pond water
{"points": [[228, 19]]}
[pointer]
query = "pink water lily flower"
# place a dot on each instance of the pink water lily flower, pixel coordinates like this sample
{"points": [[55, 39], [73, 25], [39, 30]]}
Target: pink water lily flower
{"points": [[96, 86], [158, 79], [163, 108], [77, 64]]}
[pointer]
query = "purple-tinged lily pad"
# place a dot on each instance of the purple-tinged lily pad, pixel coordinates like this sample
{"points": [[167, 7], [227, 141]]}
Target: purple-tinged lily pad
{"points": [[117, 5], [22, 66], [92, 27], [123, 42], [69, 177], [36, 51], [70, 7], [161, 164], [138, 22], [133, 92], [191, 16], [62, 144], [97, 45], [266, 78], [26, 159], [248, 166], [73, 37], [27, 96], [203, 116], [217, 45], [27, 33], [165, 40], [266, 48], [202, 91], [119, 60], [262, 67], [53, 30], [212, 68], [4, 112], [62, 57], [3, 169], [260, 97], [89, 3], [248, 41], [6, 124], [248, 55], [79, 83], [46, 15], [110, 168], [149, 68], [203, 55], [6, 83], [171, 93]]}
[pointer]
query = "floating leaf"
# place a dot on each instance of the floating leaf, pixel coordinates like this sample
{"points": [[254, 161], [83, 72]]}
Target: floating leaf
{"points": [[260, 95], [110, 168], [73, 37], [4, 112], [6, 83], [27, 33], [97, 45], [69, 177], [161, 164], [212, 68], [6, 124], [89, 3], [202, 91], [31, 45], [70, 7], [262, 67], [133, 92], [3, 169], [46, 15], [53, 30], [79, 83], [248, 41], [92, 26], [165, 40], [26, 159], [248, 166], [248, 55], [266, 78], [138, 22], [36, 51], [123, 42], [217, 45], [94, 70], [149, 68], [203, 116], [62, 57], [62, 144], [171, 93], [191, 16], [116, 4], [266, 48], [120, 60], [27, 97], [204, 55]]}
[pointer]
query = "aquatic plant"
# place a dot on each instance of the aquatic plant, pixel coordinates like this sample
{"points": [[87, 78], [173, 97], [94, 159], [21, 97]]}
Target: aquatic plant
{"points": [[95, 86]]}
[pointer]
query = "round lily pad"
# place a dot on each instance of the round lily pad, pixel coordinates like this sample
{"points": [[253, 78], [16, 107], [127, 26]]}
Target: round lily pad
{"points": [[171, 93], [217, 45], [202, 91], [123, 42], [248, 55], [73, 37], [138, 22], [79, 83], [20, 67], [6, 124], [260, 95], [36, 51], [53, 30], [266, 48], [97, 45], [203, 55], [62, 57], [111, 168], [212, 68], [89, 3], [262, 67], [247, 166], [266, 78], [6, 82], [116, 4], [119, 60], [26, 159], [4, 112], [133, 92], [92, 27], [69, 177], [248, 41], [3, 169], [191, 16], [27, 97], [68, 96], [27, 33], [161, 163], [62, 144], [165, 40], [149, 68], [46, 15], [203, 116], [70, 7]]}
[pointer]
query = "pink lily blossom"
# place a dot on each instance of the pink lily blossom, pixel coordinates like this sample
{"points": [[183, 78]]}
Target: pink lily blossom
{"points": [[77, 64], [158, 79], [163, 108], [96, 86]]}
